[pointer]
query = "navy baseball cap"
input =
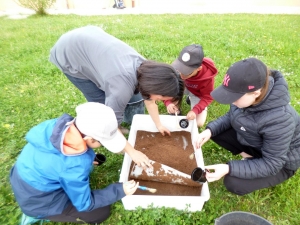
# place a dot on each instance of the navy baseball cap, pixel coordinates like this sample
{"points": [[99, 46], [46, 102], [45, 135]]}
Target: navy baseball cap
{"points": [[242, 77]]}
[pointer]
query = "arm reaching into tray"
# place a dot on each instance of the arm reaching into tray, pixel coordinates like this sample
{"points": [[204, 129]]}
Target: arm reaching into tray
{"points": [[138, 157]]}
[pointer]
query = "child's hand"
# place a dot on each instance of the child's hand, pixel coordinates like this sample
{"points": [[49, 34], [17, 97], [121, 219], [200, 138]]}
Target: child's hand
{"points": [[171, 108], [220, 170], [203, 137], [130, 187], [140, 159], [191, 115]]}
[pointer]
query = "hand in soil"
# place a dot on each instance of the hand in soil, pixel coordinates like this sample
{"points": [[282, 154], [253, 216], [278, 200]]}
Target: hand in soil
{"points": [[163, 130], [140, 159]]}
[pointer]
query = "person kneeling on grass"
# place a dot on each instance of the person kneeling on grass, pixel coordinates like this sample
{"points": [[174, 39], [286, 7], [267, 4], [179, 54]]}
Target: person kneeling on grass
{"points": [[260, 125], [50, 178], [198, 73]]}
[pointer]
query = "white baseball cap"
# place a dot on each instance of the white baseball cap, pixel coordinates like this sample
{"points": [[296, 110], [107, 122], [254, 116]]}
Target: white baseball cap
{"points": [[99, 122]]}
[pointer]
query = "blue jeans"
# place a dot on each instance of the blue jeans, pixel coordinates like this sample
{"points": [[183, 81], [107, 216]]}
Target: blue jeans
{"points": [[93, 94], [90, 91]]}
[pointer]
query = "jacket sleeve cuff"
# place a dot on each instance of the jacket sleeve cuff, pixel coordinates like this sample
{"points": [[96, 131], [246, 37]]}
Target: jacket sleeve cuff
{"points": [[208, 128], [229, 165], [167, 102]]}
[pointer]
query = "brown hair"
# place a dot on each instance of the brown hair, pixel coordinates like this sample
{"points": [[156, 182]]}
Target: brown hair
{"points": [[156, 78], [264, 89]]}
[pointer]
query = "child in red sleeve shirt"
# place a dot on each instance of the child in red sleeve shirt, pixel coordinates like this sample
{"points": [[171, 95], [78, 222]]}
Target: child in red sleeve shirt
{"points": [[198, 73]]}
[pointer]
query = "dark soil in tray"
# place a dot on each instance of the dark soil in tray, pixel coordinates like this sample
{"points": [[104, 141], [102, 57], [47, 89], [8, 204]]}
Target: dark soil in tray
{"points": [[172, 151]]}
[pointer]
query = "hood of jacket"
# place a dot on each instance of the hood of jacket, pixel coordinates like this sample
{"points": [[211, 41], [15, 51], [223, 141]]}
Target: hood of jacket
{"points": [[276, 96], [208, 71], [51, 136]]}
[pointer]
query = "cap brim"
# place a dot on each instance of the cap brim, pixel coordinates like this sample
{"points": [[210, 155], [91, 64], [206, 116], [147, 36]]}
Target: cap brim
{"points": [[224, 96], [183, 69], [115, 144]]}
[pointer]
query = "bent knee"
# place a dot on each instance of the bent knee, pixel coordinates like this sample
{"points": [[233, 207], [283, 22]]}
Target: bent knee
{"points": [[200, 122], [100, 216], [234, 185]]}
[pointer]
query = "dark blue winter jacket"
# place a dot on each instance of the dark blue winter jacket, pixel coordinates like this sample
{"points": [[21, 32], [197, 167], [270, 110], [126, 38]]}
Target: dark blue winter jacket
{"points": [[271, 126]]}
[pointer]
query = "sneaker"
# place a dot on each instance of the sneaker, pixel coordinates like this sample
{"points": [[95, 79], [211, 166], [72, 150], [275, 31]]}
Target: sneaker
{"points": [[26, 220], [188, 100]]}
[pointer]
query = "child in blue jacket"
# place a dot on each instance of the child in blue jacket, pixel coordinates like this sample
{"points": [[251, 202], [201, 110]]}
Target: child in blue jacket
{"points": [[50, 179]]}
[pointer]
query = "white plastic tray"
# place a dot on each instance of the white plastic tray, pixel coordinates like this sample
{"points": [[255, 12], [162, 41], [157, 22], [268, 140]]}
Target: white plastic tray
{"points": [[191, 203]]}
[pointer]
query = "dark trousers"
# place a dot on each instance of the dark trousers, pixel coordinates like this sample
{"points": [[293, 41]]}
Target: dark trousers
{"points": [[70, 214], [239, 186]]}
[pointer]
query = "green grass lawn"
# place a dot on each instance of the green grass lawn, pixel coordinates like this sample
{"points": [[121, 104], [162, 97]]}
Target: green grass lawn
{"points": [[33, 90]]}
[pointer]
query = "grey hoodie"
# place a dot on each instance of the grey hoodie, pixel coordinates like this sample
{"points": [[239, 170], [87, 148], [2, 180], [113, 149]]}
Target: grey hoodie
{"points": [[91, 53]]}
